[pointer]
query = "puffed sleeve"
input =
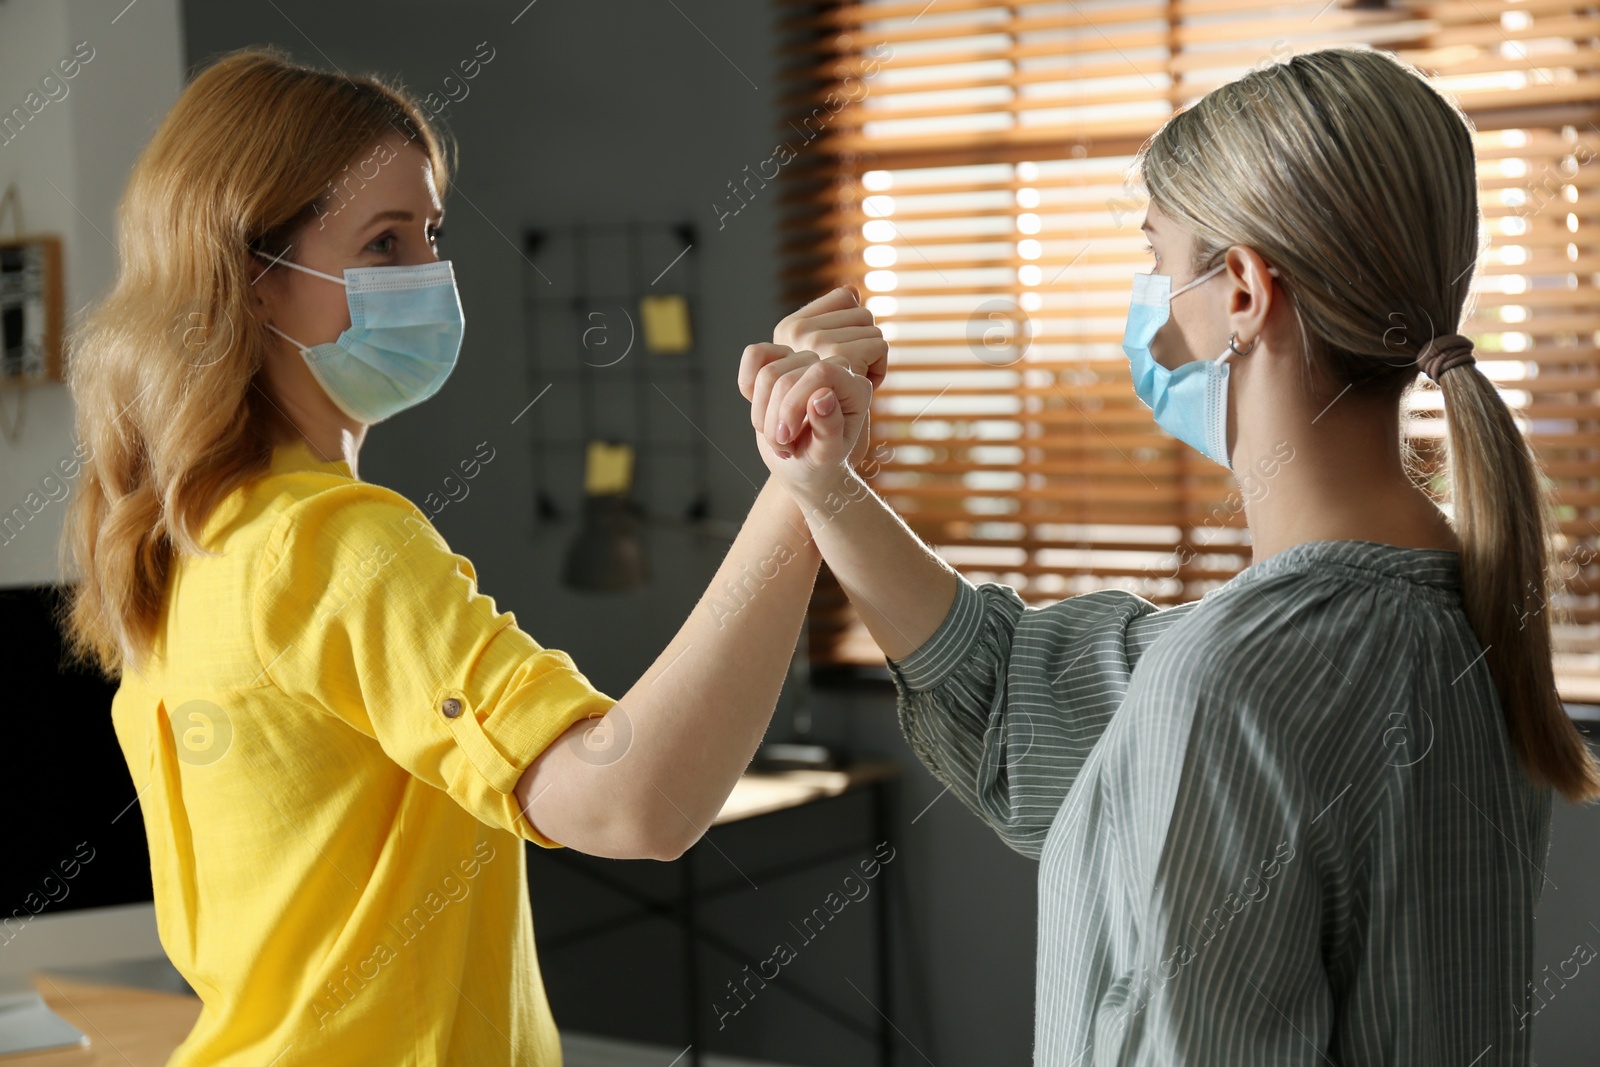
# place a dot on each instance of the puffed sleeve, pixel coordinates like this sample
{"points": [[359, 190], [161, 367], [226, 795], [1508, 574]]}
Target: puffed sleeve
{"points": [[362, 612], [1004, 702]]}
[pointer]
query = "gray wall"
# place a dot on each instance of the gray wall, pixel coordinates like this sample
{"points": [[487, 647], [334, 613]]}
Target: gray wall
{"points": [[69, 163]]}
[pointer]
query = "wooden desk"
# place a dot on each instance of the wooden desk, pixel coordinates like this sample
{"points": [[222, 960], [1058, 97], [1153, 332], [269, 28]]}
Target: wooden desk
{"points": [[126, 1027], [762, 793]]}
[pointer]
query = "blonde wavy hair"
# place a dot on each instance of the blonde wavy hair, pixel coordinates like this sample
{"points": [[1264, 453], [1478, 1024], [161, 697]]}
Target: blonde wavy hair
{"points": [[163, 371], [1350, 173]]}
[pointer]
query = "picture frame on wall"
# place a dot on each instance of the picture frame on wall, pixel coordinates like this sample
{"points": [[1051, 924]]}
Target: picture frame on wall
{"points": [[32, 309]]}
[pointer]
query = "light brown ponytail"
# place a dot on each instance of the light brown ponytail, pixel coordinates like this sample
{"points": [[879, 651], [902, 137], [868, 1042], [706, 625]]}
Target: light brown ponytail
{"points": [[1504, 521], [1349, 173]]}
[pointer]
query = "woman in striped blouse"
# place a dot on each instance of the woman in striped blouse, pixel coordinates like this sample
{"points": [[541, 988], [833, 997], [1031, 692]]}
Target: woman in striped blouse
{"points": [[1304, 819]]}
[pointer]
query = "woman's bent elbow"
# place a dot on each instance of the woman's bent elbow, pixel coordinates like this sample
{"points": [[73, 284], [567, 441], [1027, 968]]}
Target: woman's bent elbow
{"points": [[599, 811], [629, 840], [666, 835], [607, 822]]}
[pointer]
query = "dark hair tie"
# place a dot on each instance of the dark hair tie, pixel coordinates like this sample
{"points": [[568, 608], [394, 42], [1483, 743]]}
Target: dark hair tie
{"points": [[1442, 353]]}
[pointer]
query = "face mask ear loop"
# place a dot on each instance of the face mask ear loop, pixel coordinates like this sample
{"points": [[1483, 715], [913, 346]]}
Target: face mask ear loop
{"points": [[286, 337], [1183, 289], [297, 266], [308, 270]]}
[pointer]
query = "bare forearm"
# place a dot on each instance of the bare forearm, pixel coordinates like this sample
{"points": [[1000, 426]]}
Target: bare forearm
{"points": [[706, 702], [900, 588], [692, 722]]}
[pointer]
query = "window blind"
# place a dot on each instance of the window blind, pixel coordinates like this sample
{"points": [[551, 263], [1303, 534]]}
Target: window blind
{"points": [[963, 163]]}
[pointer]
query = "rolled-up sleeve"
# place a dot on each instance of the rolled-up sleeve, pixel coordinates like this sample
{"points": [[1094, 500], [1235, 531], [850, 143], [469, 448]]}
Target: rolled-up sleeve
{"points": [[1004, 702], [362, 611]]}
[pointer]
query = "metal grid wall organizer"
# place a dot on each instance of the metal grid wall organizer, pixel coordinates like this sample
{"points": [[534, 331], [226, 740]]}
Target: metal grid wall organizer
{"points": [[595, 378]]}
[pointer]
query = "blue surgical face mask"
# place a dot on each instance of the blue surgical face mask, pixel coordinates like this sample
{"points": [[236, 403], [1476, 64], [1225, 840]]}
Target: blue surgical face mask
{"points": [[1190, 403], [404, 336]]}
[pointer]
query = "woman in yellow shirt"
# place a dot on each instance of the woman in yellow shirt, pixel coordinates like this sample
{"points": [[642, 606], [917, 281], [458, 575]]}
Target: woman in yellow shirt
{"points": [[338, 742]]}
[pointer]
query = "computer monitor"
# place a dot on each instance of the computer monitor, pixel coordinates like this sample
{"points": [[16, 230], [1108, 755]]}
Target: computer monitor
{"points": [[75, 888]]}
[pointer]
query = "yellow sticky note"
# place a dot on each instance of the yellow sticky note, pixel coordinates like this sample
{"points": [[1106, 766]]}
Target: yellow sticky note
{"points": [[666, 323], [609, 468]]}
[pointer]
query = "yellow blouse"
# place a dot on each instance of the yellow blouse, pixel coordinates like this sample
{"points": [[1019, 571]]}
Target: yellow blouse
{"points": [[325, 741]]}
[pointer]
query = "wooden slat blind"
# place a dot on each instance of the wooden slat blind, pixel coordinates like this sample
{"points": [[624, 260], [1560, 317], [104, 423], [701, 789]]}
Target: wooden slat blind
{"points": [[964, 164]]}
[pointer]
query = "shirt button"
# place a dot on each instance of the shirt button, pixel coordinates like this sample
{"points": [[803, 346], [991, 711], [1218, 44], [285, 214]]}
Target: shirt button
{"points": [[451, 708]]}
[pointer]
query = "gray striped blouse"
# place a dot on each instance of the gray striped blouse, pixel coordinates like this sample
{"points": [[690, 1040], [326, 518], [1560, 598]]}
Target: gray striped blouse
{"points": [[1280, 825]]}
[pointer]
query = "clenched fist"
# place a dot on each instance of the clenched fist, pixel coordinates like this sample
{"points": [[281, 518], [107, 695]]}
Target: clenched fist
{"points": [[810, 415], [836, 327], [809, 390]]}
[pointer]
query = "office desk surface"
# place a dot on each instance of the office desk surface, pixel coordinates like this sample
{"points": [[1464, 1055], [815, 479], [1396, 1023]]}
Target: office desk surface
{"points": [[760, 794], [126, 1027]]}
